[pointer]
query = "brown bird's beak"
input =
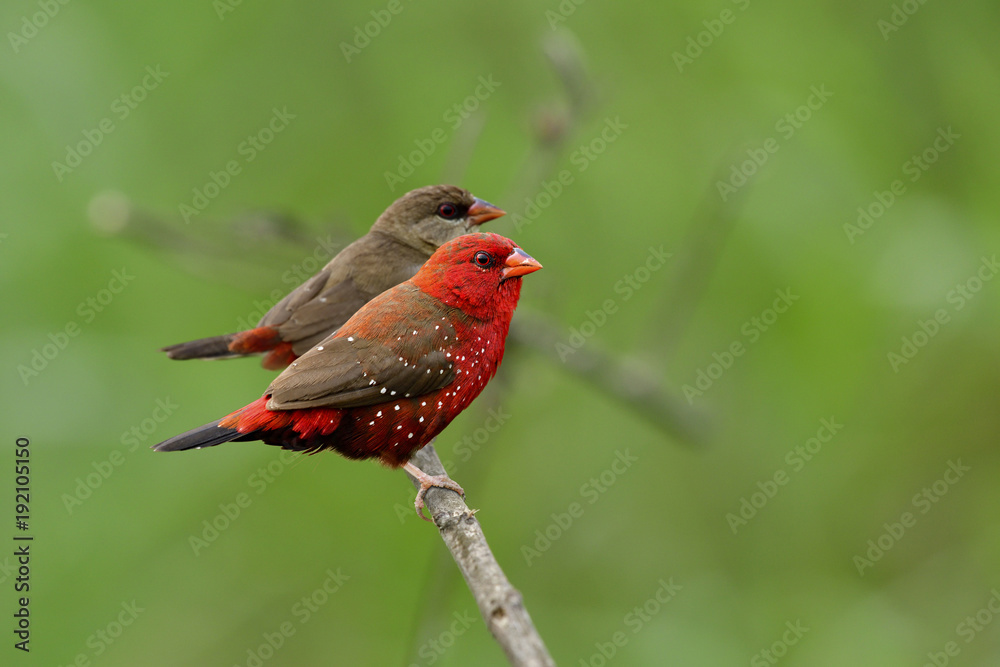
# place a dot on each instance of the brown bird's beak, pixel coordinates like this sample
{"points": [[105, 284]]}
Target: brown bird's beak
{"points": [[519, 263], [483, 211]]}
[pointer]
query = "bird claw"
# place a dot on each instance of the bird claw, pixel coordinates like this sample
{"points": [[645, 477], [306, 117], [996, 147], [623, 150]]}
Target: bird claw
{"points": [[429, 482]]}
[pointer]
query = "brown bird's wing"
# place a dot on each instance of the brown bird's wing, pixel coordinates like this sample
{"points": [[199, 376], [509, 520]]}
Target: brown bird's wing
{"points": [[282, 311], [313, 320], [360, 272]]}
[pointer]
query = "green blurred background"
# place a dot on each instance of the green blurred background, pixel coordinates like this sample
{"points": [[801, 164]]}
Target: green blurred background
{"points": [[782, 583]]}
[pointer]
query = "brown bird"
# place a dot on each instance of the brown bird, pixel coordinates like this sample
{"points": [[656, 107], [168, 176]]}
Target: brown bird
{"points": [[398, 244]]}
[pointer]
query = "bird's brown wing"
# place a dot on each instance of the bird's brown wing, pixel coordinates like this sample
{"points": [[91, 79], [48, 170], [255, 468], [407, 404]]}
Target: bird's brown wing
{"points": [[348, 372], [360, 272], [282, 311], [312, 320]]}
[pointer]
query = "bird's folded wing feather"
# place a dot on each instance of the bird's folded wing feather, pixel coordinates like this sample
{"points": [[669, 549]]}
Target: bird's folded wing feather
{"points": [[322, 314], [304, 293], [352, 372]]}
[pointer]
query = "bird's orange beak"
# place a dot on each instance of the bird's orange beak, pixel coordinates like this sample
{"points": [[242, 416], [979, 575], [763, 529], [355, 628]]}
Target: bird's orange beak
{"points": [[519, 263], [483, 211]]}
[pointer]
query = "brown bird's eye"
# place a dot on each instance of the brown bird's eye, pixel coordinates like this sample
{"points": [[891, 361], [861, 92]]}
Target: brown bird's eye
{"points": [[447, 211], [483, 259]]}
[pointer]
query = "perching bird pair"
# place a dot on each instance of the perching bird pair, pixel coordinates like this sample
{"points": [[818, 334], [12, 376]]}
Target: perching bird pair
{"points": [[392, 339]]}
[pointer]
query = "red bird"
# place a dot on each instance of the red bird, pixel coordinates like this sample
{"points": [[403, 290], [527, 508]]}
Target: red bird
{"points": [[400, 241], [396, 373]]}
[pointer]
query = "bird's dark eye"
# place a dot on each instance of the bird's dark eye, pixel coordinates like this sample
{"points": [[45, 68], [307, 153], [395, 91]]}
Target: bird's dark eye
{"points": [[483, 259], [447, 211]]}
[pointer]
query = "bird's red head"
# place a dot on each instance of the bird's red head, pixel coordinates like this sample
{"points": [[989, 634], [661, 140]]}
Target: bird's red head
{"points": [[477, 273]]}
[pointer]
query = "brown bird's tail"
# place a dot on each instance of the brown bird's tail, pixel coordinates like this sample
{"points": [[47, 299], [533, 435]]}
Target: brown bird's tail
{"points": [[208, 435], [216, 347], [255, 341]]}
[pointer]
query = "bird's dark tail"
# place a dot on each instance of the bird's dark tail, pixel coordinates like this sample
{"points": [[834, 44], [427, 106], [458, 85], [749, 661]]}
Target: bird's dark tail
{"points": [[203, 436], [216, 347]]}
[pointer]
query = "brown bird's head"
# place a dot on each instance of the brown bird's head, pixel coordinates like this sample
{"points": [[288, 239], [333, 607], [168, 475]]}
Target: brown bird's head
{"points": [[429, 217]]}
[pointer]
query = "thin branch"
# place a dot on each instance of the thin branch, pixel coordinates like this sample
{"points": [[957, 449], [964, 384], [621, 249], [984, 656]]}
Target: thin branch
{"points": [[621, 378], [463, 147], [707, 234], [231, 252], [500, 604], [555, 124]]}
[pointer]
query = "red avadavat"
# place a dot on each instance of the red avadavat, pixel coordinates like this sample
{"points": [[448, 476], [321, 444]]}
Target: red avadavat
{"points": [[396, 373]]}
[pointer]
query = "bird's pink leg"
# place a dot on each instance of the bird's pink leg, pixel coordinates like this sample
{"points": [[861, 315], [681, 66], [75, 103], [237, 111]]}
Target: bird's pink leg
{"points": [[427, 482]]}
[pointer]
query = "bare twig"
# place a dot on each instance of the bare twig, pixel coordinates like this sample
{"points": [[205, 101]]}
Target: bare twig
{"points": [[462, 148], [555, 124], [500, 604], [230, 252], [629, 383], [700, 253]]}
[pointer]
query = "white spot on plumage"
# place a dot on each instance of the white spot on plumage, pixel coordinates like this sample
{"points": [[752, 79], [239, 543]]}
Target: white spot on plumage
{"points": [[371, 423], [379, 414], [383, 390], [392, 393], [409, 435], [350, 339], [399, 427], [421, 419], [320, 347], [414, 332], [397, 406]]}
